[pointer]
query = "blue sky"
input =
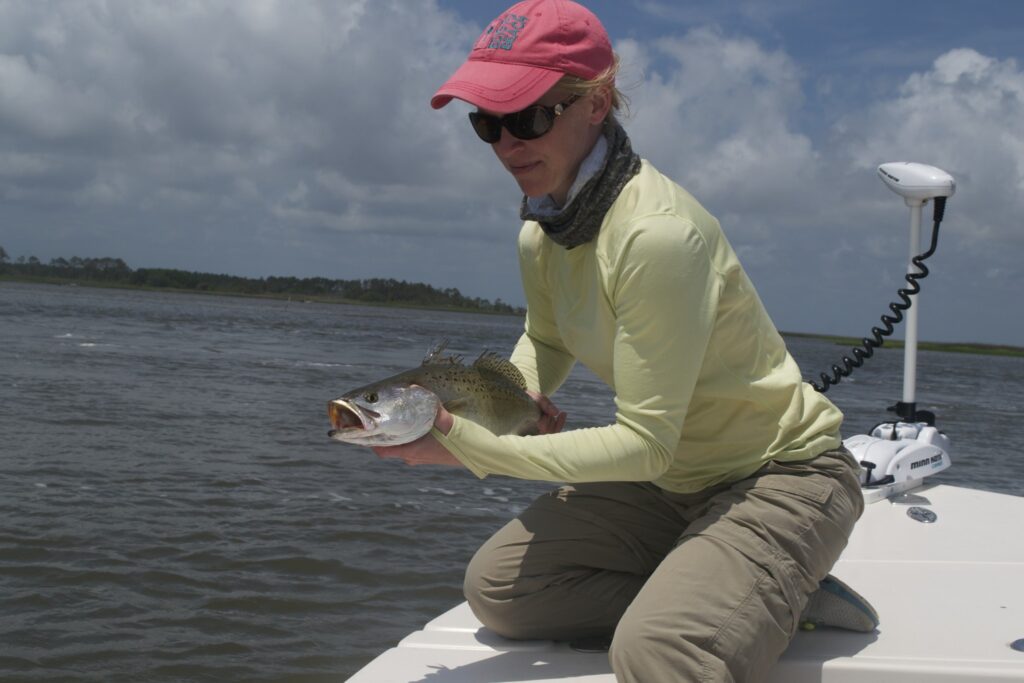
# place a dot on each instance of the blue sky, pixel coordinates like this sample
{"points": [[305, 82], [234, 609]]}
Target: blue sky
{"points": [[294, 138]]}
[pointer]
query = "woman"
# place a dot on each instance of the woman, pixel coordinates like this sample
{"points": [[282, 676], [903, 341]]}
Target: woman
{"points": [[697, 525]]}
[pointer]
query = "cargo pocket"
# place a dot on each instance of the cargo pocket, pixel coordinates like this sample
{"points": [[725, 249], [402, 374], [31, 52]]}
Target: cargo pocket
{"points": [[783, 488], [780, 520]]}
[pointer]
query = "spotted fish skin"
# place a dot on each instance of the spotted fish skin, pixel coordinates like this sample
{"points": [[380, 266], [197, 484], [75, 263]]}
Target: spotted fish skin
{"points": [[398, 409]]}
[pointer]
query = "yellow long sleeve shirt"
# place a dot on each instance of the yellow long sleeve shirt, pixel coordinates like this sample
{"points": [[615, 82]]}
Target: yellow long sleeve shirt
{"points": [[658, 307]]}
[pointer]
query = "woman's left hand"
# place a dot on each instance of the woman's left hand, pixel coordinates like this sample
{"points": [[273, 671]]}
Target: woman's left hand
{"points": [[551, 418], [425, 450]]}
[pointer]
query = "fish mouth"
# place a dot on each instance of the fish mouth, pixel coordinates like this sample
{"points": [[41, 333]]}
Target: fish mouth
{"points": [[346, 416]]}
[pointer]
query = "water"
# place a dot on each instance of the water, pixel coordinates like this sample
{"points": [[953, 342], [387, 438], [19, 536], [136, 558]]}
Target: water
{"points": [[172, 510]]}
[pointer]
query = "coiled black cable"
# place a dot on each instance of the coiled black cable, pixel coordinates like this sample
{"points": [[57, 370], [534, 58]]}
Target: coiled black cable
{"points": [[869, 344]]}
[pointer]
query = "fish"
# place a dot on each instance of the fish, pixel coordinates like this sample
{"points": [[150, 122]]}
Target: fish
{"points": [[399, 409]]}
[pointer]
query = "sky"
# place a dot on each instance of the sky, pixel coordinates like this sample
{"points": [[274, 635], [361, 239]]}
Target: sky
{"points": [[294, 137]]}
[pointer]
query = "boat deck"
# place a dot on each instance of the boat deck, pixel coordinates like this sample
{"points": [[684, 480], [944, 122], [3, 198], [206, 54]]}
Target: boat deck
{"points": [[950, 597]]}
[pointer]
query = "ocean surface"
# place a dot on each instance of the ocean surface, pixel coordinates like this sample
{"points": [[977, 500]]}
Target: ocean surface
{"points": [[171, 508]]}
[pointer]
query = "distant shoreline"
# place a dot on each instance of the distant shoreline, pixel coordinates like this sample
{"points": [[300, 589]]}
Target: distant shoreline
{"points": [[839, 340], [299, 298], [946, 347]]}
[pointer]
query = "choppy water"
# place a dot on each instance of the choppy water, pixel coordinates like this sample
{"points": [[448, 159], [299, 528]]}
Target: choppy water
{"points": [[171, 509]]}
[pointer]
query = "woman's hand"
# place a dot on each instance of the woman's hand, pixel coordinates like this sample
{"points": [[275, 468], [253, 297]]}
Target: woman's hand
{"points": [[551, 418], [425, 450]]}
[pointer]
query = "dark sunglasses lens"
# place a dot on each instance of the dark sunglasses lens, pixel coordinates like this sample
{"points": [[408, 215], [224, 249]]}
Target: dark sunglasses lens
{"points": [[530, 123], [488, 128]]}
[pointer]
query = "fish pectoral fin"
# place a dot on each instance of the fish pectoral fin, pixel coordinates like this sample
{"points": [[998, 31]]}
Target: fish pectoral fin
{"points": [[456, 404]]}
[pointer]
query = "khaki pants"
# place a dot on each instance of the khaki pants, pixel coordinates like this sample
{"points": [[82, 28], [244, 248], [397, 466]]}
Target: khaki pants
{"points": [[705, 586]]}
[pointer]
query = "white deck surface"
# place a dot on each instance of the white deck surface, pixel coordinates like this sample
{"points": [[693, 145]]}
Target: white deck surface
{"points": [[950, 597]]}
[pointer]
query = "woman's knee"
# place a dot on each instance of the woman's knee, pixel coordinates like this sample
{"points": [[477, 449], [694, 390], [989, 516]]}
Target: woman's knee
{"points": [[554, 606], [490, 587], [641, 652], [497, 606]]}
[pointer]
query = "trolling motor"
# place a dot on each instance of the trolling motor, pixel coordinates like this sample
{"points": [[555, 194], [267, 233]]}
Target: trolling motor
{"points": [[897, 455]]}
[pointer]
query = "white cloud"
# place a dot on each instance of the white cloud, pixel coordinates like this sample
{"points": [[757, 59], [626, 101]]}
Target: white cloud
{"points": [[38, 103], [717, 114], [722, 115], [966, 115], [177, 134], [275, 137], [177, 112]]}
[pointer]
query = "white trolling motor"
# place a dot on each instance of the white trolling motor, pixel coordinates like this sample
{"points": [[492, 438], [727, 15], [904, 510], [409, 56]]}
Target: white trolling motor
{"points": [[896, 456]]}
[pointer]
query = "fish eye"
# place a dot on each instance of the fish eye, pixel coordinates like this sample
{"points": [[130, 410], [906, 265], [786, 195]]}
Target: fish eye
{"points": [[371, 396]]}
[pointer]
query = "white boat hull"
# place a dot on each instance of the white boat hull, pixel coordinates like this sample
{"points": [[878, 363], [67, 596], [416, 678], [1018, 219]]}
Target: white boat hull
{"points": [[950, 597]]}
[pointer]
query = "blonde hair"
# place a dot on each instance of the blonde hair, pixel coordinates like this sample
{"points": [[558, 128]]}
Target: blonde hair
{"points": [[606, 79]]}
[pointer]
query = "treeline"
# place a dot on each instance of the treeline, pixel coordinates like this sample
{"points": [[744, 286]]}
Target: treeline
{"points": [[115, 272]]}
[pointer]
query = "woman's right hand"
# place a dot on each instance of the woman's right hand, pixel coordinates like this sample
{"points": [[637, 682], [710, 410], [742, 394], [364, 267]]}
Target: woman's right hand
{"points": [[551, 418]]}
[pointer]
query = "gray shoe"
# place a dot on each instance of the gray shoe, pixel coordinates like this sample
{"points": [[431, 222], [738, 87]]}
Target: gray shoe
{"points": [[836, 604]]}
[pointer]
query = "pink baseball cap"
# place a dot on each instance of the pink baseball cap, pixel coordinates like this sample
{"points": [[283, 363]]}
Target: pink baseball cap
{"points": [[524, 52]]}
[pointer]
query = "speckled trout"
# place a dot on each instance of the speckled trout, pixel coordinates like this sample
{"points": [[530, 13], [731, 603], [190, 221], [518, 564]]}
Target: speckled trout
{"points": [[491, 392]]}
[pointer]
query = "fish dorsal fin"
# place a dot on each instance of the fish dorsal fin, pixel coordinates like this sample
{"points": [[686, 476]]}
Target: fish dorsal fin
{"points": [[489, 360], [434, 356]]}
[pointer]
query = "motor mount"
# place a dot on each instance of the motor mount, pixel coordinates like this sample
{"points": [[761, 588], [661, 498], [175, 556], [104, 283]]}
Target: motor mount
{"points": [[899, 452]]}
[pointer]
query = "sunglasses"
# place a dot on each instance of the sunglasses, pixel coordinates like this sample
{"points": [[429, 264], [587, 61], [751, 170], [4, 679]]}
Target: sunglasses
{"points": [[527, 124]]}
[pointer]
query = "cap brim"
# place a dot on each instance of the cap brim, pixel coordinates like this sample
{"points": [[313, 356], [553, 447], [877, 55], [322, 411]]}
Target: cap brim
{"points": [[500, 88]]}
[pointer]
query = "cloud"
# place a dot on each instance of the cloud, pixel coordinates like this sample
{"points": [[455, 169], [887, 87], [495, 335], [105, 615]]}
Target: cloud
{"points": [[722, 115], [275, 137], [966, 115], [148, 102], [718, 113], [205, 135]]}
